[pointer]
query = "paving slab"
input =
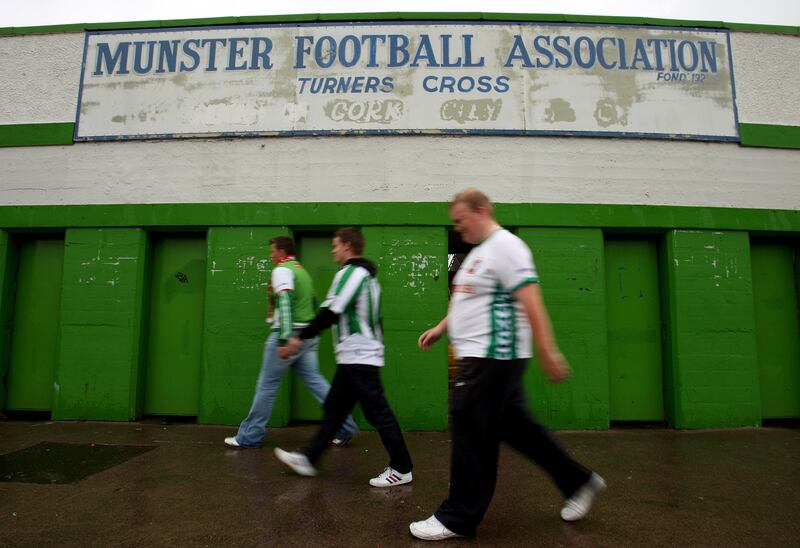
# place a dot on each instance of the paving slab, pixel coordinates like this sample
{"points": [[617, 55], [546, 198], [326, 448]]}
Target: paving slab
{"points": [[185, 488]]}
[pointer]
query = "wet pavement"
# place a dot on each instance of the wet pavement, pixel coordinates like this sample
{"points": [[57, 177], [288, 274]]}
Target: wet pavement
{"points": [[178, 485]]}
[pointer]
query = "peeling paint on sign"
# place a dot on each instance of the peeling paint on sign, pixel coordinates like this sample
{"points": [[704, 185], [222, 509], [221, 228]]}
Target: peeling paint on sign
{"points": [[417, 77]]}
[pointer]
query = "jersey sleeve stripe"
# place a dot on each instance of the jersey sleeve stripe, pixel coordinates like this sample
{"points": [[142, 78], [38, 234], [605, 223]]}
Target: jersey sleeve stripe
{"points": [[524, 282]]}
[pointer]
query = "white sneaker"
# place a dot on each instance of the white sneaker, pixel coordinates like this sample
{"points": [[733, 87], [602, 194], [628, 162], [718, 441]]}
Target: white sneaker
{"points": [[431, 529], [577, 506], [298, 462], [231, 442], [390, 477]]}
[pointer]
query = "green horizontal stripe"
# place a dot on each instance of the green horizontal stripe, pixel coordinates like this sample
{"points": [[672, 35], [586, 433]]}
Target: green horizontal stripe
{"points": [[322, 215], [522, 283], [17, 135], [395, 16], [768, 135]]}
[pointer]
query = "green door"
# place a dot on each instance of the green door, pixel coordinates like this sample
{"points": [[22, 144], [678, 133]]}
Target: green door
{"points": [[175, 327], [314, 253], [777, 331], [634, 330], [32, 362]]}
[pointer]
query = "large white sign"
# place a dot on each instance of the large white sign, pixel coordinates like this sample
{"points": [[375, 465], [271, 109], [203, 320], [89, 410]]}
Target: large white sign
{"points": [[407, 78]]}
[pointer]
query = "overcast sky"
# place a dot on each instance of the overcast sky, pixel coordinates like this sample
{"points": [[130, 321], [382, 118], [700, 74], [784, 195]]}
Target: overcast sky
{"points": [[18, 13]]}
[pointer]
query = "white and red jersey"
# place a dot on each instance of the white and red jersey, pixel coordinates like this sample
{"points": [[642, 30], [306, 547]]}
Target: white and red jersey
{"points": [[484, 320]]}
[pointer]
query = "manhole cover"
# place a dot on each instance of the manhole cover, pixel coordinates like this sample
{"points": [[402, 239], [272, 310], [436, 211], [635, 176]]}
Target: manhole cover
{"points": [[64, 462]]}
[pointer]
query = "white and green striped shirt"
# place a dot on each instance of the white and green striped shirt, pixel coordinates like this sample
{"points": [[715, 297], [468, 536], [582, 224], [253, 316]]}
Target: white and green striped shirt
{"points": [[355, 296], [484, 320]]}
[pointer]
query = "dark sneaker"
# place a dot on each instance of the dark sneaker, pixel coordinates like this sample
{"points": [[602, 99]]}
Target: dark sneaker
{"points": [[341, 442]]}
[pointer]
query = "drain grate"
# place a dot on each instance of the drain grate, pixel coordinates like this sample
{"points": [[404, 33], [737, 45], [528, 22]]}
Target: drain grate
{"points": [[55, 463]]}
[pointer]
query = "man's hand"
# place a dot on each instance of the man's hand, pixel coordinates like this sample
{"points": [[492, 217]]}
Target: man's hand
{"points": [[555, 366], [430, 336], [291, 348]]}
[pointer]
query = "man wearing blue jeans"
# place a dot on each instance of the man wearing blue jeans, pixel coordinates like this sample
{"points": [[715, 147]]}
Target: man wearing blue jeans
{"points": [[293, 293]]}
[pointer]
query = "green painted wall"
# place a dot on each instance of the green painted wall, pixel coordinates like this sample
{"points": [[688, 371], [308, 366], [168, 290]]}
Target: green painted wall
{"points": [[101, 318], [238, 271], [175, 325], [633, 305], [8, 263], [572, 276], [713, 369], [711, 373], [777, 328], [34, 341], [412, 269], [315, 255]]}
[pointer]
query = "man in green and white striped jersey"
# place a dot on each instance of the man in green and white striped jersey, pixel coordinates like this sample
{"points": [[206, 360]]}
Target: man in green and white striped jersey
{"points": [[292, 298], [353, 309]]}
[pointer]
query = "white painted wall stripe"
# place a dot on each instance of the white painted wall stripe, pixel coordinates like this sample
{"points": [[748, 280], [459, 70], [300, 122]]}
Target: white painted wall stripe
{"points": [[402, 169]]}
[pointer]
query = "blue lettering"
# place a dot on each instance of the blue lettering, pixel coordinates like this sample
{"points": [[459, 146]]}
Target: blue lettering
{"points": [[373, 47], [120, 56], [330, 85], [325, 57], [562, 49], [425, 51], [640, 56], [468, 53], [601, 58], [302, 50], [446, 62], [673, 64], [212, 52], [578, 49], [544, 51], [708, 54], [387, 85], [192, 54], [518, 51], [344, 84], [235, 52], [356, 54], [689, 67], [138, 66], [425, 83], [167, 53], [398, 50], [502, 84], [656, 43], [259, 53], [372, 84]]}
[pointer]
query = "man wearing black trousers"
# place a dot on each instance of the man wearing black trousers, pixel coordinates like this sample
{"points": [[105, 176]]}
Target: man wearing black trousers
{"points": [[495, 312], [353, 307]]}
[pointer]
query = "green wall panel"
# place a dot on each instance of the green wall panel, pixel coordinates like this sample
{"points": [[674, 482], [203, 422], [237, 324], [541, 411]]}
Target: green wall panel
{"points": [[712, 377], [34, 340], [572, 276], [777, 329], [412, 269], [235, 328], [315, 255], [175, 325], [8, 262], [633, 301], [100, 350]]}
